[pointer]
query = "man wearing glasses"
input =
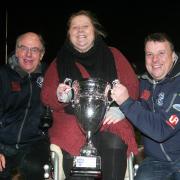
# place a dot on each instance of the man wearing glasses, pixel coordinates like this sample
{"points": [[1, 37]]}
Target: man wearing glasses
{"points": [[24, 146]]}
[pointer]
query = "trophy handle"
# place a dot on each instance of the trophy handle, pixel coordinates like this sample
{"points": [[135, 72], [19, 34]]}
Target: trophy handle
{"points": [[74, 88], [114, 83], [68, 81]]}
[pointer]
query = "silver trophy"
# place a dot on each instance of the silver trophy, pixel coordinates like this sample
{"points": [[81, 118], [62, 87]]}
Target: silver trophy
{"points": [[90, 103]]}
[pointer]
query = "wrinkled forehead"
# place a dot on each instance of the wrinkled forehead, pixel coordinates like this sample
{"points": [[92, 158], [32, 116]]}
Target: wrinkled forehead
{"points": [[157, 45], [30, 40]]}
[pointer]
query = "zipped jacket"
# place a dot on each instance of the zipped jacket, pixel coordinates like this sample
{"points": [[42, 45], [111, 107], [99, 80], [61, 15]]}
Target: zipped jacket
{"points": [[157, 115], [20, 105]]}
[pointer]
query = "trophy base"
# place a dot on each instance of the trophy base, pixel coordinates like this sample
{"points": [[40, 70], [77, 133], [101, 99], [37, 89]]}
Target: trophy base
{"points": [[86, 166], [86, 173]]}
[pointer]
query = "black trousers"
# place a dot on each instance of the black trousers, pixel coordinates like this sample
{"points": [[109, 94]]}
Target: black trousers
{"points": [[28, 161], [113, 156]]}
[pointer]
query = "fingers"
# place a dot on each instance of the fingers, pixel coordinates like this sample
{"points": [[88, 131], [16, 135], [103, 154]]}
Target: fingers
{"points": [[106, 120], [119, 93], [63, 88], [63, 93], [110, 120], [2, 162], [115, 89]]}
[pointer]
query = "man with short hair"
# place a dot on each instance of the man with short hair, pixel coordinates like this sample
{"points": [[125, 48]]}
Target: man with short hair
{"points": [[23, 144], [157, 113]]}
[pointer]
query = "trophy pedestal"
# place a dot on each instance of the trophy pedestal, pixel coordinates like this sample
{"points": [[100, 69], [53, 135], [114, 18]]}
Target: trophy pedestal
{"points": [[90, 103], [89, 166]]}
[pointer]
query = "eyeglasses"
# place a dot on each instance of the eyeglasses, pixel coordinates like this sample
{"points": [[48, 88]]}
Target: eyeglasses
{"points": [[33, 50]]}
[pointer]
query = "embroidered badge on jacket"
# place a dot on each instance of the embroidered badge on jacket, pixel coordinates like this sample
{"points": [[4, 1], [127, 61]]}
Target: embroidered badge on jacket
{"points": [[172, 121], [160, 99], [15, 86], [145, 94]]}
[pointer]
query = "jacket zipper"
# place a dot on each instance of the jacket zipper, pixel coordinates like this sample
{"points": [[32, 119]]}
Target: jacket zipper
{"points": [[154, 86], [161, 145], [26, 112]]}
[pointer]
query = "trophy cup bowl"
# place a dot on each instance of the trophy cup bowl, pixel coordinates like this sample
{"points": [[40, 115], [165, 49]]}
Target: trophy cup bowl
{"points": [[90, 103]]}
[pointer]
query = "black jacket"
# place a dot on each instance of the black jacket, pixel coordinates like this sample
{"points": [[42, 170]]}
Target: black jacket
{"points": [[20, 105]]}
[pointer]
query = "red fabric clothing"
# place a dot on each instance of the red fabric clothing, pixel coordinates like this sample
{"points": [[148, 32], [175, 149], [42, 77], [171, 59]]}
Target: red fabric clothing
{"points": [[65, 131]]}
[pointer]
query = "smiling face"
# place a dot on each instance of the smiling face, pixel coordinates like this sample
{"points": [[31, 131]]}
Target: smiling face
{"points": [[81, 33], [29, 51], [159, 58]]}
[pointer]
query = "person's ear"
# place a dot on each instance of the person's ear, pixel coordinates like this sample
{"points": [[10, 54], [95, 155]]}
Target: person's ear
{"points": [[174, 56], [42, 54]]}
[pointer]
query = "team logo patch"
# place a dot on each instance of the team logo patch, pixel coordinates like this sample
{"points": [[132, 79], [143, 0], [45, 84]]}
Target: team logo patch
{"points": [[173, 121], [15, 86], [39, 81], [176, 107], [145, 95], [160, 99]]}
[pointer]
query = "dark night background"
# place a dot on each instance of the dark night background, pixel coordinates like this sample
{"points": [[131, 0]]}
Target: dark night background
{"points": [[126, 24]]}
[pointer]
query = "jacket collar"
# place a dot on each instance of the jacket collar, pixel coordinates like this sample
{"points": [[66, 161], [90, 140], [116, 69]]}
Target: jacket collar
{"points": [[13, 63]]}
